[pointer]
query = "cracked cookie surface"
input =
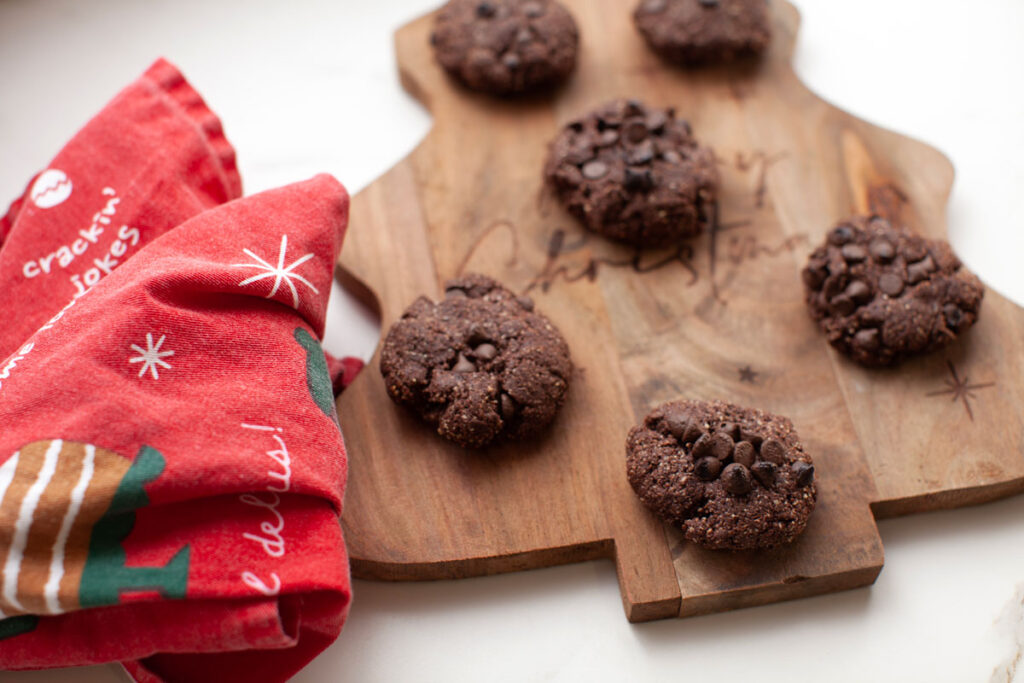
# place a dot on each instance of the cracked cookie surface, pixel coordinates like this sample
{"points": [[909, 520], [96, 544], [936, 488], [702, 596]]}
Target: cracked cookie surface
{"points": [[882, 294], [506, 47], [634, 173], [481, 364], [697, 32], [731, 478]]}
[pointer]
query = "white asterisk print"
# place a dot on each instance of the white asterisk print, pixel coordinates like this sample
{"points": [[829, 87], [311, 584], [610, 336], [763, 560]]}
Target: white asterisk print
{"points": [[278, 272], [151, 356]]}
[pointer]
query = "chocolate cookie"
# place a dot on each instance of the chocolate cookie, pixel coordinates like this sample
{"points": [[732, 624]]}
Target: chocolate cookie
{"points": [[506, 47], [731, 478], [481, 364], [634, 173], [696, 32], [882, 294]]}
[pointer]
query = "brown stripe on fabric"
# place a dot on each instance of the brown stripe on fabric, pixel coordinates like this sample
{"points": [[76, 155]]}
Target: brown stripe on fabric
{"points": [[30, 461], [49, 515], [110, 468]]}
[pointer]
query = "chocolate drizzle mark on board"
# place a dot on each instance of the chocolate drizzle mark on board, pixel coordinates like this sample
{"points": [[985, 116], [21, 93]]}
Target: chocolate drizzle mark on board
{"points": [[764, 162]]}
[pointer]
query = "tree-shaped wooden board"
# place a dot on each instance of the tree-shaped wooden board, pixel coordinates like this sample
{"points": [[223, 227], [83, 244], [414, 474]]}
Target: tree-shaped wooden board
{"points": [[721, 316]]}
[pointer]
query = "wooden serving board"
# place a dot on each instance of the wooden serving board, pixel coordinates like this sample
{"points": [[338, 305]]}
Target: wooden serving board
{"points": [[719, 317]]}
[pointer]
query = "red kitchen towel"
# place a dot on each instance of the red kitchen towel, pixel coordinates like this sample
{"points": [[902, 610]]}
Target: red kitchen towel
{"points": [[153, 157], [171, 467]]}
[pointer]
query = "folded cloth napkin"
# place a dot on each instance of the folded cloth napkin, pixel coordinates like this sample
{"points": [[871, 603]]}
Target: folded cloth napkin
{"points": [[171, 466], [152, 158]]}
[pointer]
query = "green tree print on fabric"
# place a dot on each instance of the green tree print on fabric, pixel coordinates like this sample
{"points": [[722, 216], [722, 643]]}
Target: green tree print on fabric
{"points": [[105, 575], [318, 379]]}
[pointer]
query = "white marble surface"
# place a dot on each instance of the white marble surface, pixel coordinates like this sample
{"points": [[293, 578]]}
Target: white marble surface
{"points": [[309, 86]]}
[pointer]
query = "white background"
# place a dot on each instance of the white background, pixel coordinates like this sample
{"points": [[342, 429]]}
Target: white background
{"points": [[304, 87]]}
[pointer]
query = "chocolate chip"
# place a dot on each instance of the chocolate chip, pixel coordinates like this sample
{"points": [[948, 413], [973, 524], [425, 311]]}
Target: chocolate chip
{"points": [[916, 272], [854, 253], [702, 446], [526, 302], [867, 339], [442, 381], [486, 10], [633, 108], [464, 365], [635, 131], [717, 445], [764, 472], [508, 407], [804, 473], [834, 286], [677, 424], [641, 153], [595, 169], [638, 180], [485, 351], [814, 277], [840, 235], [709, 3], [433, 39], [772, 450], [580, 155], [671, 157], [745, 454], [656, 121], [708, 468], [511, 61], [874, 314], [736, 479], [732, 429], [882, 250], [859, 291], [891, 284], [692, 434], [914, 250], [843, 305], [533, 9], [753, 437], [954, 316], [455, 293]]}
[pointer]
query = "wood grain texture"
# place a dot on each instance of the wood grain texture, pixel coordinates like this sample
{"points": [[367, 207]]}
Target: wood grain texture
{"points": [[721, 316]]}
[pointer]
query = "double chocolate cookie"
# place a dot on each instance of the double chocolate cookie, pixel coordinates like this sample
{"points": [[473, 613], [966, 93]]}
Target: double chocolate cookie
{"points": [[696, 32], [731, 478], [634, 173], [480, 365], [882, 294], [506, 47]]}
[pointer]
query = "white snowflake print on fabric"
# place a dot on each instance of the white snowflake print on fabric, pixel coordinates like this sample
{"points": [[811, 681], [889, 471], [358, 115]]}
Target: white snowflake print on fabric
{"points": [[279, 272], [151, 356]]}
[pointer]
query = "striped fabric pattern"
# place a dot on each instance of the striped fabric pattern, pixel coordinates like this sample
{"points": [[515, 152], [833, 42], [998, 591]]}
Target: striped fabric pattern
{"points": [[52, 493]]}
